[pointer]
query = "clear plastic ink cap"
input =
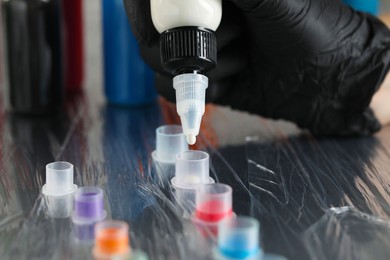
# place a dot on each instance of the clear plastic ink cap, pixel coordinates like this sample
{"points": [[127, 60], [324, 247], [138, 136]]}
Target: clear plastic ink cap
{"points": [[238, 238], [89, 205], [59, 179], [191, 170], [190, 102], [59, 206], [213, 202], [111, 240], [169, 142]]}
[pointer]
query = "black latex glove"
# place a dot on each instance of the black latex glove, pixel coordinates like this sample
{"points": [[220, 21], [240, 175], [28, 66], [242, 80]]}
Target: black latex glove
{"points": [[314, 62]]}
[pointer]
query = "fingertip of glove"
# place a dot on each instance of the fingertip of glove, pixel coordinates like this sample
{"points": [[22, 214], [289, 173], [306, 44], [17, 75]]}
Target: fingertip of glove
{"points": [[365, 124], [358, 124]]}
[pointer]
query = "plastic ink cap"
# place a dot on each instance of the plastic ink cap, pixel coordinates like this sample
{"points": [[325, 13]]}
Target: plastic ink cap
{"points": [[213, 202], [111, 239], [191, 170], [59, 179], [169, 142], [59, 206], [190, 102], [238, 238], [89, 205]]}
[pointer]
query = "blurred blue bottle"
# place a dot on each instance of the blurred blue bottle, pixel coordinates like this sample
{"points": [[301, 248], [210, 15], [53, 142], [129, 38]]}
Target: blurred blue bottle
{"points": [[128, 80], [369, 6]]}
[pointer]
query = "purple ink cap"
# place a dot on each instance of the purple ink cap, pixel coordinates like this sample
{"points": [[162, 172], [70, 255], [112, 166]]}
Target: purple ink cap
{"points": [[89, 205]]}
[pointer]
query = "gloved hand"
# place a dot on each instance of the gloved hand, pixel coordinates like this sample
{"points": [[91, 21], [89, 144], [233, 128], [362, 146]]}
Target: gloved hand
{"points": [[314, 62]]}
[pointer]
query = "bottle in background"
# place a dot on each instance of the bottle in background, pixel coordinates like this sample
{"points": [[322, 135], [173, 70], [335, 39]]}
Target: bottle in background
{"points": [[74, 44], [128, 80], [33, 54], [369, 6]]}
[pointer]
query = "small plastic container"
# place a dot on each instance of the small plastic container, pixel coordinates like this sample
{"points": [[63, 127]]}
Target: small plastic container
{"points": [[88, 210], [59, 179], [59, 207], [169, 142], [213, 203], [33, 54], [238, 238], [192, 170], [89, 205], [111, 240], [59, 189], [185, 202], [74, 44]]}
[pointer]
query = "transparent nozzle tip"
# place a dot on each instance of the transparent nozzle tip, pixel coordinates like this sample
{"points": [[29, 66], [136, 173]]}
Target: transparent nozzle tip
{"points": [[191, 124], [190, 102]]}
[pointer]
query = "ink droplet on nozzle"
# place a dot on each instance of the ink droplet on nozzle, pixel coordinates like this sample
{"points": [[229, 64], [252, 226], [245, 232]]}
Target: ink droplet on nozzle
{"points": [[191, 139], [190, 102]]}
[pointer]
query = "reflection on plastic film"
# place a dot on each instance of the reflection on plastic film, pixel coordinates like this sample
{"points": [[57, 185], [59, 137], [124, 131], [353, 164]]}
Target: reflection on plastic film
{"points": [[291, 184], [165, 233], [44, 236], [299, 180], [359, 235]]}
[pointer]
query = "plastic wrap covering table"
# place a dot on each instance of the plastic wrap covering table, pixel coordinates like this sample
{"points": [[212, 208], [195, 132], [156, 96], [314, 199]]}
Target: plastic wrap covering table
{"points": [[315, 198]]}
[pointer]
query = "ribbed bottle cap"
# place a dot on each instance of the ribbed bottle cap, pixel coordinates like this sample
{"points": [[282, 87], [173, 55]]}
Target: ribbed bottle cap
{"points": [[185, 49]]}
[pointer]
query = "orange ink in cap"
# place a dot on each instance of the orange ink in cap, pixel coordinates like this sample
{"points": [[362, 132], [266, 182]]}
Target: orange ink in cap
{"points": [[111, 239]]}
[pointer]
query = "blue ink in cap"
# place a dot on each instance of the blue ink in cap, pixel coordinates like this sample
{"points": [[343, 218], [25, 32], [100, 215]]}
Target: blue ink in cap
{"points": [[238, 238]]}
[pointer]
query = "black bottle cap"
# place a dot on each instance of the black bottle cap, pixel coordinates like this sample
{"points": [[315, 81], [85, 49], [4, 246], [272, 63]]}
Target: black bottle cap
{"points": [[188, 49]]}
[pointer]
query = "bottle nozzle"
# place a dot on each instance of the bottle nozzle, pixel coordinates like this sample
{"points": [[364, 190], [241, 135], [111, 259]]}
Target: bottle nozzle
{"points": [[190, 102]]}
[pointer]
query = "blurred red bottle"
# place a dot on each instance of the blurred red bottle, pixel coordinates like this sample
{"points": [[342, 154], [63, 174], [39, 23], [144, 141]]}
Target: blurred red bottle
{"points": [[74, 44]]}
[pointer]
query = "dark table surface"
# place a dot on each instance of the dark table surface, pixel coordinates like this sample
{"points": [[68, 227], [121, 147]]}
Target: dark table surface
{"points": [[315, 198]]}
